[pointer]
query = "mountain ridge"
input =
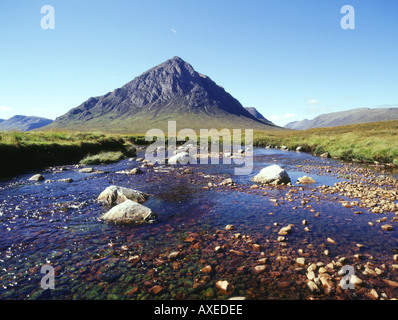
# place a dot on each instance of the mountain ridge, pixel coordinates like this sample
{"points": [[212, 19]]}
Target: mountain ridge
{"points": [[254, 112], [24, 123], [341, 118]]}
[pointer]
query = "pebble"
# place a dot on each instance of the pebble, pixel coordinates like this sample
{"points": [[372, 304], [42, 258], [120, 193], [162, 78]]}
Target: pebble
{"points": [[387, 227], [312, 286], [373, 294], [311, 275], [174, 254], [156, 290], [207, 269], [259, 269], [285, 230], [330, 240], [355, 280], [230, 227], [300, 261], [225, 287]]}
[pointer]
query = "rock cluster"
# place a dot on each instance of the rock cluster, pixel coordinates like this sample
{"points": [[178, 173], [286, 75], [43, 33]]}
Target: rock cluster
{"points": [[128, 209]]}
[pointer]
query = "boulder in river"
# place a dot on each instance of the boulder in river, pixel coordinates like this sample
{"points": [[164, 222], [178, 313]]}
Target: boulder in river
{"points": [[136, 171], [36, 177], [115, 195], [272, 175], [305, 180], [182, 158], [227, 182], [129, 212]]}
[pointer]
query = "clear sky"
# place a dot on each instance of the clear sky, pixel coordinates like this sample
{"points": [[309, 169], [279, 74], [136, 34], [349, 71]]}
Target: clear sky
{"points": [[290, 59]]}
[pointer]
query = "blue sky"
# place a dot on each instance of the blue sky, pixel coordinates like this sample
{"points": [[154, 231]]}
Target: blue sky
{"points": [[290, 59]]}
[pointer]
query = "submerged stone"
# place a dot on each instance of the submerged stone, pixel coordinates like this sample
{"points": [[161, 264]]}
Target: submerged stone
{"points": [[305, 180]]}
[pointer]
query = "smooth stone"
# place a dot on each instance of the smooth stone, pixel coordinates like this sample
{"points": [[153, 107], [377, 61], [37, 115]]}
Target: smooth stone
{"points": [[129, 212], [272, 175], [225, 287], [36, 177], [116, 195], [305, 180], [181, 158]]}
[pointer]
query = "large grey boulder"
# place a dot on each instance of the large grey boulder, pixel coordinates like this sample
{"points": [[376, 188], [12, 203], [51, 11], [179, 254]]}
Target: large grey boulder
{"points": [[272, 175], [182, 158], [129, 212], [115, 195]]}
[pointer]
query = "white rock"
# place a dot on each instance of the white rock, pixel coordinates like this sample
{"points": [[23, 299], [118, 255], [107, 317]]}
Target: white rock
{"points": [[129, 212], [181, 158], [313, 287], [300, 261], [115, 195], [305, 180], [355, 280], [36, 177], [272, 175], [311, 275]]}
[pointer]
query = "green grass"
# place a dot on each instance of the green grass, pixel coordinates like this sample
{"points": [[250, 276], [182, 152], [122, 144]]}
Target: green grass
{"points": [[22, 151], [363, 142], [25, 151], [103, 158], [50, 137]]}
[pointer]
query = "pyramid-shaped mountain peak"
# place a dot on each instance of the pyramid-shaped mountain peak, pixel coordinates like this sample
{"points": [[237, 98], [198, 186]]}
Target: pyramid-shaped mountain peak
{"points": [[173, 90]]}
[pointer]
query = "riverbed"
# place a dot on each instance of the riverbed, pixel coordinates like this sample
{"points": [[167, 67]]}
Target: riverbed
{"points": [[57, 223]]}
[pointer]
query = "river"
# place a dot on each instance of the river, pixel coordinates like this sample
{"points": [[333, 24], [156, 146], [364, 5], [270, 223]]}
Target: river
{"points": [[58, 224]]}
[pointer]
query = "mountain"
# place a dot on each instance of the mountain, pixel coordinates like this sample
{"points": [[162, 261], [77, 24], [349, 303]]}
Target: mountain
{"points": [[171, 91], [299, 125], [253, 111], [23, 123], [1, 120], [354, 116]]}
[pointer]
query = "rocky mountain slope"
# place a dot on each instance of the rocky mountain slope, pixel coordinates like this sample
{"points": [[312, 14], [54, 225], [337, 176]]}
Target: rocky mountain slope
{"points": [[254, 112], [171, 91]]}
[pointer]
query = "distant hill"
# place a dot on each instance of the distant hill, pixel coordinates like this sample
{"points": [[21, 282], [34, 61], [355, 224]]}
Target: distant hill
{"points": [[171, 91], [354, 116], [253, 111], [1, 120], [23, 123]]}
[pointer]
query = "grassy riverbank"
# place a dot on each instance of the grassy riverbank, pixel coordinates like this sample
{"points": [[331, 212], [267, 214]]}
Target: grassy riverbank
{"points": [[24, 151], [362, 142]]}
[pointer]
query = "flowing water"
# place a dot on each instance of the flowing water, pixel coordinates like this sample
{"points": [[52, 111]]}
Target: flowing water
{"points": [[58, 224]]}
